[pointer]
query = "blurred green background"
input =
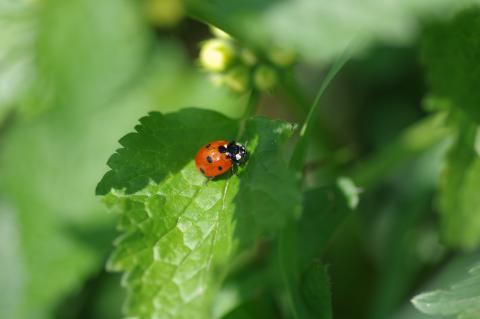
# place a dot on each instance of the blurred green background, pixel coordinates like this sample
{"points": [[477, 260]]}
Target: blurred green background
{"points": [[76, 75]]}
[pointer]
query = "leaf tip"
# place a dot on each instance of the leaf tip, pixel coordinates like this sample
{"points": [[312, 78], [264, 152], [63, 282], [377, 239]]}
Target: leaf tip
{"points": [[423, 302], [350, 191]]}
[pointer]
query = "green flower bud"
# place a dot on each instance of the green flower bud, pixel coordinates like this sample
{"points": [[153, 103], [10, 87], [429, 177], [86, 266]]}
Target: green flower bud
{"points": [[219, 33], [282, 57], [238, 79], [164, 13], [248, 57], [265, 78], [216, 54]]}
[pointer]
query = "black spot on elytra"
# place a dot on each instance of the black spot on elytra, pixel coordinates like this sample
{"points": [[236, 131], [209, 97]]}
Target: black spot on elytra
{"points": [[220, 168], [201, 170], [209, 159], [207, 146], [222, 149]]}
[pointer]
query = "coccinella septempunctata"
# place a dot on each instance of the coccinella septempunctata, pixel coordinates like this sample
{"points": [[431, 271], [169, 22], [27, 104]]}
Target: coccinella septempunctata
{"points": [[218, 157]]}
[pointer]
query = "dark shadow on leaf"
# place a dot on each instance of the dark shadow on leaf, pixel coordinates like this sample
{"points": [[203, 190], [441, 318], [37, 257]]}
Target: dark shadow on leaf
{"points": [[268, 195]]}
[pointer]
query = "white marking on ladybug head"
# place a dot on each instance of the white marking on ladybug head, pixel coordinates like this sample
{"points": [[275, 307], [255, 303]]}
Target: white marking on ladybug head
{"points": [[238, 157]]}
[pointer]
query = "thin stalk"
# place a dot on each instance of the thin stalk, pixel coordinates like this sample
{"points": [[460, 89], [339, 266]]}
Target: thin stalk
{"points": [[249, 111], [251, 104], [300, 106], [298, 158]]}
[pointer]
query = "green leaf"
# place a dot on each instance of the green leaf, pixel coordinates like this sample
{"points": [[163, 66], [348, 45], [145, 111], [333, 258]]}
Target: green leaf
{"points": [[300, 152], [88, 51], [162, 145], [324, 209], [177, 240], [17, 34], [450, 53], [462, 299], [268, 195], [12, 274], [301, 243], [180, 230], [400, 260], [315, 288], [320, 29], [259, 308], [459, 202], [50, 163], [246, 285]]}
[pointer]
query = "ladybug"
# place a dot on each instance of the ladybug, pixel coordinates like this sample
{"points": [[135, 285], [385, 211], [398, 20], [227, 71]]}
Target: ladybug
{"points": [[218, 157]]}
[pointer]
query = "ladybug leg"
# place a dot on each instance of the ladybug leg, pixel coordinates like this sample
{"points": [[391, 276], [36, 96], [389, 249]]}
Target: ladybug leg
{"points": [[207, 179], [235, 169]]}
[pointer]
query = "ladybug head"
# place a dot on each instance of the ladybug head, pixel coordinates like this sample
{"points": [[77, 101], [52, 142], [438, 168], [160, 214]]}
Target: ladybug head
{"points": [[237, 152]]}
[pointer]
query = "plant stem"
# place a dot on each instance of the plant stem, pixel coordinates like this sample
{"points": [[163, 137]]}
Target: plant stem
{"points": [[300, 105], [249, 111], [251, 104], [336, 67], [299, 154]]}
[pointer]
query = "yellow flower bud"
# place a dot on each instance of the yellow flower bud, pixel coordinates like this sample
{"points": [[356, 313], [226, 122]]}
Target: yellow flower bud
{"points": [[216, 54], [265, 78], [282, 57], [164, 13]]}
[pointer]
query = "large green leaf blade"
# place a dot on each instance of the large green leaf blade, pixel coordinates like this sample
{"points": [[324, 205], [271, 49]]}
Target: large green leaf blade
{"points": [[50, 163], [180, 230], [180, 238]]}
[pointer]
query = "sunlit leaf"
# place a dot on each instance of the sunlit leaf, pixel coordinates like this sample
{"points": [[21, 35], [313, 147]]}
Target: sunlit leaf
{"points": [[180, 230], [462, 299], [18, 21]]}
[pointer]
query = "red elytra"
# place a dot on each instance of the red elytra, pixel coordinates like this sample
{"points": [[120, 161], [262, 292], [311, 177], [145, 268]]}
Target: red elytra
{"points": [[210, 161]]}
